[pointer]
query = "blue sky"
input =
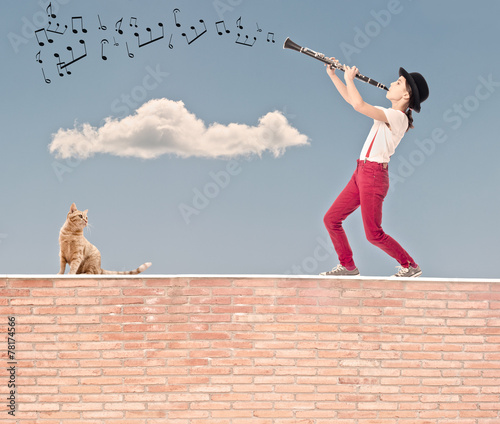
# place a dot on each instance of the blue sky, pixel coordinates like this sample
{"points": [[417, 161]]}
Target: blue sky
{"points": [[259, 142]]}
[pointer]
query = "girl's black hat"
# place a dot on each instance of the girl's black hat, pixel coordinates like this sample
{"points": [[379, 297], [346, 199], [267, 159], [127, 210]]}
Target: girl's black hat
{"points": [[419, 88]]}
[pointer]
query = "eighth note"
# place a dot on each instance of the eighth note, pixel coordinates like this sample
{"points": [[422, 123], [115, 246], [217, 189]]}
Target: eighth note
{"points": [[220, 31], [73, 56], [238, 23], [196, 32], [75, 31], [150, 36], [119, 25], [269, 34], [244, 43], [41, 43], [50, 14], [55, 31], [37, 57]]}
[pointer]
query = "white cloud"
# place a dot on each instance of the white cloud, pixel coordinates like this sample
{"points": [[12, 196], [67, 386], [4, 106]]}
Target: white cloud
{"points": [[163, 126]]}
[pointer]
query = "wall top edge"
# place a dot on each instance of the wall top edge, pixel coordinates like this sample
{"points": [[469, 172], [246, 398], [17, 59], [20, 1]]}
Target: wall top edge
{"points": [[241, 276]]}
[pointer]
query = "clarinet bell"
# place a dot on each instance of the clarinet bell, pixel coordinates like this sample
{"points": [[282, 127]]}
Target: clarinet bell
{"points": [[289, 44]]}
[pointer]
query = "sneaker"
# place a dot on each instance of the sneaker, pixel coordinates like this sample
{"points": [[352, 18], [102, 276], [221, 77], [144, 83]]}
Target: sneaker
{"points": [[408, 272], [341, 270]]}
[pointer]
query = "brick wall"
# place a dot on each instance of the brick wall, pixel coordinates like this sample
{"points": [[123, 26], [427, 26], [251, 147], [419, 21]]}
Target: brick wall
{"points": [[256, 350]]}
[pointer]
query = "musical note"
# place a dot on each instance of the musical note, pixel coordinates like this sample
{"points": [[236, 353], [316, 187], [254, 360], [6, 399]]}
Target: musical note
{"points": [[177, 24], [37, 57], [116, 44], [219, 31], [119, 25], [78, 58], [75, 31], [135, 22], [45, 78], [196, 33], [269, 34], [101, 26], [102, 49], [129, 54], [55, 31], [50, 14], [258, 29], [41, 43], [238, 23], [170, 45], [150, 36], [59, 67], [244, 43], [70, 49]]}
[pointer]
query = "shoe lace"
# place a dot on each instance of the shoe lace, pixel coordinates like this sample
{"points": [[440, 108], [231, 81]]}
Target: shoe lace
{"points": [[339, 267], [401, 270]]}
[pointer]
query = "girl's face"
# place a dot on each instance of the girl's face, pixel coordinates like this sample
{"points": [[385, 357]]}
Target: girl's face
{"points": [[397, 90]]}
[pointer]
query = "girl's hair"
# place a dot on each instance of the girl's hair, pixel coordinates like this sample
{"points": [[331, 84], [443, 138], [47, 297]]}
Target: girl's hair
{"points": [[409, 110]]}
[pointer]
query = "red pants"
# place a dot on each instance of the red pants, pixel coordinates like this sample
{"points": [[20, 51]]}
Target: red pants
{"points": [[368, 187]]}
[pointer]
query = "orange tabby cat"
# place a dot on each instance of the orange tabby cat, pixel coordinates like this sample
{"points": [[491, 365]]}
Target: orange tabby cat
{"points": [[81, 255]]}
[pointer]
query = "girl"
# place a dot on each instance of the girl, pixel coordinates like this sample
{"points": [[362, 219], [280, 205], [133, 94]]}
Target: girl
{"points": [[370, 182]]}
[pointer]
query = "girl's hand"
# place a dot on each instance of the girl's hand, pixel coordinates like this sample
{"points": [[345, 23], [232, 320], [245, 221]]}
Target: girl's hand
{"points": [[350, 73], [329, 70]]}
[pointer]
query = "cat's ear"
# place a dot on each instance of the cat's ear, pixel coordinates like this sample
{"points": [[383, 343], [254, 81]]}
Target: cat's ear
{"points": [[73, 208], [85, 211]]}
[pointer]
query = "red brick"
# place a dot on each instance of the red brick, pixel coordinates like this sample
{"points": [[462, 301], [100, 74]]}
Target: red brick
{"points": [[144, 292], [12, 293], [30, 283], [210, 300], [210, 282], [77, 282], [474, 287]]}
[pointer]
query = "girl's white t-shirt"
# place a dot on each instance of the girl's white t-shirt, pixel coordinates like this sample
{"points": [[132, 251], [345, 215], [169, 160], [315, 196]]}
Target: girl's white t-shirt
{"points": [[386, 140]]}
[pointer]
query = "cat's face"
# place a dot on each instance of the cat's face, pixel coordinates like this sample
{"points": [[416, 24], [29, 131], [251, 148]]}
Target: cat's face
{"points": [[78, 218]]}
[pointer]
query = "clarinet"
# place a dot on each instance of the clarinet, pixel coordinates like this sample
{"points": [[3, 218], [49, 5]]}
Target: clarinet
{"points": [[334, 64]]}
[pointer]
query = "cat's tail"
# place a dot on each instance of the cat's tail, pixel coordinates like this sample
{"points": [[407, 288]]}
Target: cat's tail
{"points": [[142, 268]]}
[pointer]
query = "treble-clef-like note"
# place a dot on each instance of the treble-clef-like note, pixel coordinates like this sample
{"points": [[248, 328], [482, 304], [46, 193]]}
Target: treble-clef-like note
{"points": [[104, 41], [49, 11], [177, 24], [118, 26]]}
